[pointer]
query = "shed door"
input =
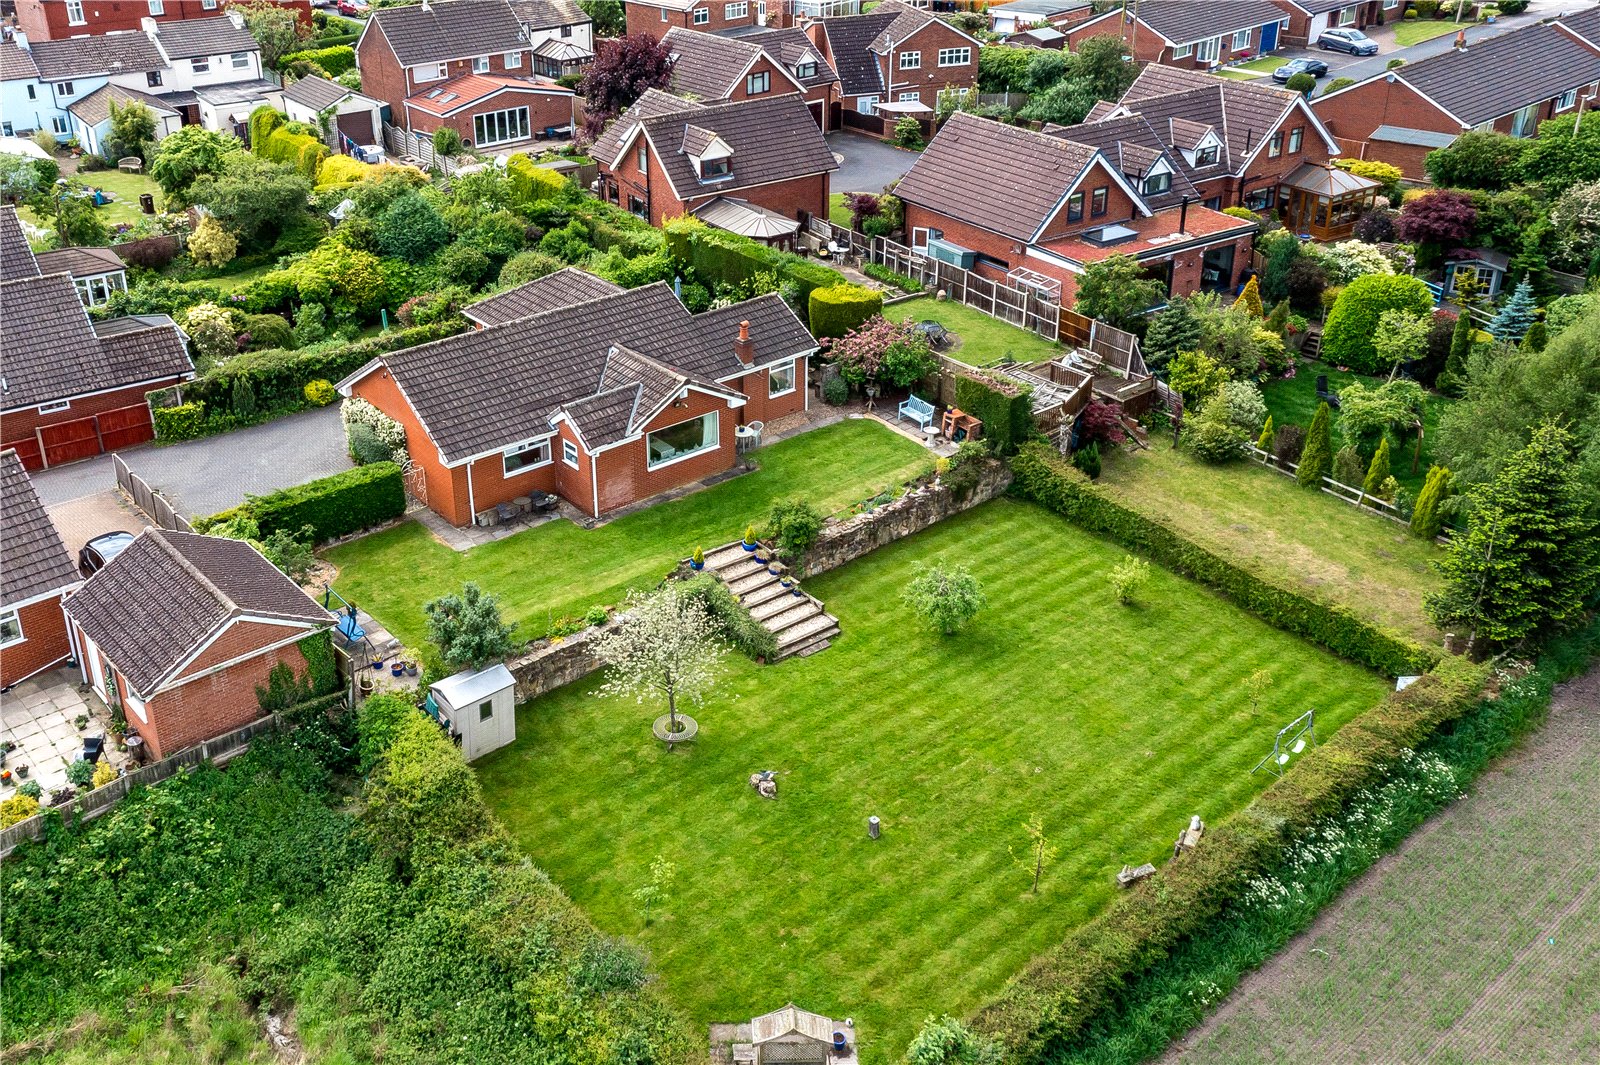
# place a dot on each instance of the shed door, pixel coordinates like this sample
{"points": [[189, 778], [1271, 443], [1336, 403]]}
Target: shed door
{"points": [[357, 125]]}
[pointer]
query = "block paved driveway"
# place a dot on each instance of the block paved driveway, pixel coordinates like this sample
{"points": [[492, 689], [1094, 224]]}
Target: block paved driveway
{"points": [[866, 164], [201, 477]]}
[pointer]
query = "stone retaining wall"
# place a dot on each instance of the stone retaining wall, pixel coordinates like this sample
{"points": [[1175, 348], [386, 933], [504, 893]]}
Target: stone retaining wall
{"points": [[918, 509], [549, 665]]}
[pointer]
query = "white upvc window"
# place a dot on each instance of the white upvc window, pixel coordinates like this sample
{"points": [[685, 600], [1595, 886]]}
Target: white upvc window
{"points": [[678, 442], [758, 82], [500, 127], [739, 10], [1209, 51], [209, 5], [700, 16], [1566, 99], [1241, 40], [1297, 136], [158, 7], [526, 457], [513, 60], [56, 408], [239, 60], [480, 64], [1525, 122], [780, 381], [10, 628], [955, 57], [97, 290], [63, 88], [1347, 17], [910, 60], [914, 97], [867, 105], [1390, 5], [441, 71], [569, 453], [200, 64], [1183, 51], [75, 13]]}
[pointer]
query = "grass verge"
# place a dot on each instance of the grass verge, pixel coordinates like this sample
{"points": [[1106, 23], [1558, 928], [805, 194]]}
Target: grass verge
{"points": [[1415, 31]]}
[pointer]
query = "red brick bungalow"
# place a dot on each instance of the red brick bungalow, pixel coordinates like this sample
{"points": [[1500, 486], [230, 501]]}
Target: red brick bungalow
{"points": [[604, 402], [1197, 34], [53, 20], [465, 64], [1050, 207], [36, 577], [1308, 18], [181, 629], [1508, 83], [655, 17], [894, 61], [70, 388], [758, 167], [711, 68], [1241, 140]]}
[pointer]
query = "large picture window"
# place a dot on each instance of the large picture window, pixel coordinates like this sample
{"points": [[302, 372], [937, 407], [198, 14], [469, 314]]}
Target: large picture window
{"points": [[682, 440], [500, 127], [954, 57], [526, 456]]}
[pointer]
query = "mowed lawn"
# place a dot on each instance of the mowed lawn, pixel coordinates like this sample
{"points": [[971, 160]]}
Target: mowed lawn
{"points": [[1113, 724], [1295, 400], [979, 339], [558, 568], [1288, 534]]}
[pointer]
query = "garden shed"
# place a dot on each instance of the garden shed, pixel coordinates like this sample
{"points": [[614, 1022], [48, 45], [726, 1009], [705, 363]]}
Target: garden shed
{"points": [[480, 707], [791, 1035]]}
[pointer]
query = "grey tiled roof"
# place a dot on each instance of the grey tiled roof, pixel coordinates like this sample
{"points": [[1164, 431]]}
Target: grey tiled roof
{"points": [[525, 372], [653, 102], [195, 37], [705, 65], [78, 57], [319, 94], [96, 107], [52, 353], [1585, 24], [544, 14], [1498, 75], [36, 561], [560, 289], [850, 39], [787, 47], [1421, 138], [1132, 146], [15, 63], [168, 593], [1244, 113], [1024, 175], [1187, 21], [80, 262], [451, 29], [16, 257], [605, 417], [773, 138]]}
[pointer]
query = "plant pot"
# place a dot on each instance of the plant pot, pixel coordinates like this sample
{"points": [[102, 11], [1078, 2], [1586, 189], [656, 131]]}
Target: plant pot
{"points": [[377, 663], [796, 592], [397, 670], [749, 547], [697, 566], [22, 771], [774, 570], [411, 669], [366, 686]]}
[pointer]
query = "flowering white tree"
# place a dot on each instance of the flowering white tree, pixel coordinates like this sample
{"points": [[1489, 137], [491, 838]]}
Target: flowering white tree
{"points": [[1351, 259], [667, 645]]}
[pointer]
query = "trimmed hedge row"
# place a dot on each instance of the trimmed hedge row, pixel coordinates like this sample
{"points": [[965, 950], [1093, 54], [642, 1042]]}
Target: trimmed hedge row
{"points": [[335, 59], [333, 506], [716, 255], [1007, 415], [837, 309], [1044, 477]]}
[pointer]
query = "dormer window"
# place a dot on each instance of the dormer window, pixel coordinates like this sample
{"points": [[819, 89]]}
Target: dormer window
{"points": [[1156, 184], [809, 70], [715, 168], [1207, 156]]}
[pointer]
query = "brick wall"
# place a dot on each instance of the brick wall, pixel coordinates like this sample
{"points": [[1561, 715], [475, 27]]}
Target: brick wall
{"points": [[46, 20], [779, 81], [18, 427], [238, 639], [927, 79], [625, 476], [382, 76], [1119, 205], [211, 705], [446, 488], [491, 486], [788, 198], [758, 406], [44, 642], [1352, 115]]}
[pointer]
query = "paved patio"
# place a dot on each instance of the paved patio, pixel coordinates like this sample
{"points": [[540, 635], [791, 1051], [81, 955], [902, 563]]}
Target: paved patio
{"points": [[40, 716]]}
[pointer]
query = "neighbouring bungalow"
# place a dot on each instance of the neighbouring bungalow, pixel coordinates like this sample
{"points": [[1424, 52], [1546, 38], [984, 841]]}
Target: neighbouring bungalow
{"points": [[1308, 18], [1509, 84], [757, 167], [1050, 207], [97, 272], [492, 112], [181, 630], [72, 388], [1239, 139], [1198, 34], [356, 118], [1019, 16], [90, 116], [604, 401], [37, 575], [893, 62]]}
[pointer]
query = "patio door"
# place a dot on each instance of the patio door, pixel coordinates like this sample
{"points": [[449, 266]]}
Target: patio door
{"points": [[1216, 269]]}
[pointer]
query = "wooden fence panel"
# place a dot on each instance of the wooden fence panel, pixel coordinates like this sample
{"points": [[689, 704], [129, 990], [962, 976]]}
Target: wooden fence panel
{"points": [[147, 499]]}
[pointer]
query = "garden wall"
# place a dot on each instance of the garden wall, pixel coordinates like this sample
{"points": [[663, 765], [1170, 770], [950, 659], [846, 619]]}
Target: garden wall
{"points": [[552, 664], [913, 512]]}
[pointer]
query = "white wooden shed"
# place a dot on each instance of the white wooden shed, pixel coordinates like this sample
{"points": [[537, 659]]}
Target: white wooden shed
{"points": [[481, 708], [791, 1035]]}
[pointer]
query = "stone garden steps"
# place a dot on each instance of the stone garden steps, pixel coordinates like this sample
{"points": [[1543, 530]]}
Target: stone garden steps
{"points": [[800, 623]]}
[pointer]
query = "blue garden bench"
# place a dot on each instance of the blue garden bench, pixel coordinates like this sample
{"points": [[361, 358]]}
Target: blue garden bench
{"points": [[918, 410]]}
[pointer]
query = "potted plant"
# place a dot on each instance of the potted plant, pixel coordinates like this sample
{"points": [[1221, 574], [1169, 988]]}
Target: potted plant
{"points": [[366, 685], [397, 668], [411, 661], [22, 772], [794, 590], [377, 663], [82, 721], [750, 542], [698, 560]]}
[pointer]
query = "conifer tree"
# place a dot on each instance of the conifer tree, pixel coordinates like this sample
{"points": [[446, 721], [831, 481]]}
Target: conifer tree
{"points": [[1378, 471], [1517, 316], [1250, 298], [1426, 517], [1316, 460], [1264, 441]]}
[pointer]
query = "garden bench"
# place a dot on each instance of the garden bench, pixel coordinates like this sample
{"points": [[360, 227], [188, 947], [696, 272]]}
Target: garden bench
{"points": [[918, 410], [1130, 876]]}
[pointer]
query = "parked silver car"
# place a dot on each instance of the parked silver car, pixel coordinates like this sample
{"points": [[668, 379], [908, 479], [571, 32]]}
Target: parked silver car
{"points": [[1353, 41]]}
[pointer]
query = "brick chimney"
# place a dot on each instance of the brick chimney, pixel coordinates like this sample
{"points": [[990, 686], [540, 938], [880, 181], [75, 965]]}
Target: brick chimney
{"points": [[743, 348]]}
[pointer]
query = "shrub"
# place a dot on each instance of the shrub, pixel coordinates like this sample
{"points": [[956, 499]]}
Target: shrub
{"points": [[80, 773], [386, 433], [530, 183], [889, 277], [835, 391], [335, 60], [1427, 519], [1347, 466], [411, 229], [747, 635], [17, 808], [793, 525], [1210, 437], [447, 142], [1378, 472], [211, 331], [378, 722], [186, 421], [1301, 83], [1129, 578], [332, 506], [1316, 458], [1244, 408], [320, 393], [527, 266], [837, 309], [1004, 408], [1087, 459], [211, 245], [422, 794], [1287, 443], [1353, 322], [268, 331], [467, 629]]}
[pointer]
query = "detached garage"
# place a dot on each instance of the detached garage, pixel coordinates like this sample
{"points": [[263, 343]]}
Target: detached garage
{"points": [[357, 119]]}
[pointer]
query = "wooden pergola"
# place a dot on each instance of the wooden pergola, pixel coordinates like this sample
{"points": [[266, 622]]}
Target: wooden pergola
{"points": [[1324, 201]]}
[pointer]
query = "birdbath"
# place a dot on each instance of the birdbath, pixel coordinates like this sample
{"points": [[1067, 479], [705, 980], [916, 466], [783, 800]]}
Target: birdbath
{"points": [[687, 729]]}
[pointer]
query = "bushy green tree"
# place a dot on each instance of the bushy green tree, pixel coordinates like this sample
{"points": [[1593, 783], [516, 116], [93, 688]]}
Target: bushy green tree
{"points": [[77, 220], [133, 130], [1348, 338], [607, 15], [253, 197], [1175, 328], [188, 154], [466, 628], [1565, 153], [1427, 517], [1529, 560], [1316, 457], [1197, 376], [1211, 437], [1477, 160], [945, 596], [411, 229], [1115, 291]]}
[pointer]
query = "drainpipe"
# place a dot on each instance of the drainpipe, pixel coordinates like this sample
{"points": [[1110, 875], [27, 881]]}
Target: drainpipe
{"points": [[472, 506]]}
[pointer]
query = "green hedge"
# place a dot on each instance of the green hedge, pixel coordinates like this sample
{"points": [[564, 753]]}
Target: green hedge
{"points": [[1044, 477], [713, 255], [743, 631], [1006, 412], [837, 309], [333, 506], [182, 422], [335, 58]]}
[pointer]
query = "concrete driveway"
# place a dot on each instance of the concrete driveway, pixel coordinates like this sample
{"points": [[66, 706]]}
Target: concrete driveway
{"points": [[201, 477], [866, 164]]}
